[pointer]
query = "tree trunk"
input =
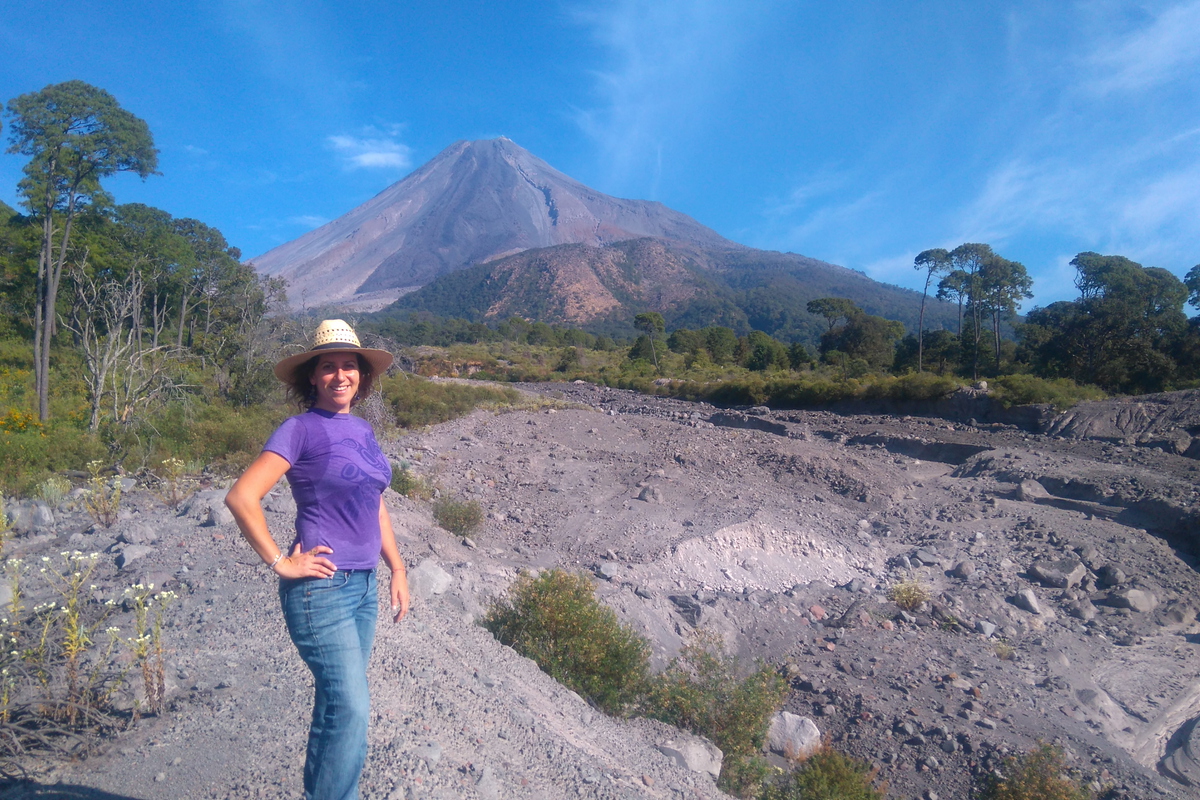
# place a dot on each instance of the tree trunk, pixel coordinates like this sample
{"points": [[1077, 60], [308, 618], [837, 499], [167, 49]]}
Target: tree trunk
{"points": [[921, 327]]}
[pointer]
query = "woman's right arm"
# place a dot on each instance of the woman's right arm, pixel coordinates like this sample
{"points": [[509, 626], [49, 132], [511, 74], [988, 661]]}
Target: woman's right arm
{"points": [[245, 502]]}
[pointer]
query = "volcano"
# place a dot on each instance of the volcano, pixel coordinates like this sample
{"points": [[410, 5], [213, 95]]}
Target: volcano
{"points": [[473, 203]]}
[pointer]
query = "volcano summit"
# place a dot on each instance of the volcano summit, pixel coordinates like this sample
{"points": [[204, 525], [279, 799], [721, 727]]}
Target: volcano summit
{"points": [[474, 202]]}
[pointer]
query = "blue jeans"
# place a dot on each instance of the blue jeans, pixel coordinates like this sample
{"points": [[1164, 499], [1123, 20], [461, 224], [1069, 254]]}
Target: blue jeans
{"points": [[332, 623]]}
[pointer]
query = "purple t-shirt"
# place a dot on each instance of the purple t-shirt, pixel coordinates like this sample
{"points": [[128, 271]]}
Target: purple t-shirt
{"points": [[337, 475]]}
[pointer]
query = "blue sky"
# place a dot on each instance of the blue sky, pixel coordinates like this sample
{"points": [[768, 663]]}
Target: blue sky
{"points": [[856, 133]]}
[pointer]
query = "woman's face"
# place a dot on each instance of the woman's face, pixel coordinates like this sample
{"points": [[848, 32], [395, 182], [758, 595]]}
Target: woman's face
{"points": [[336, 378]]}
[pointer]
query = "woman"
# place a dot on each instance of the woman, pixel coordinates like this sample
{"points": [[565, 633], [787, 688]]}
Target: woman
{"points": [[327, 582]]}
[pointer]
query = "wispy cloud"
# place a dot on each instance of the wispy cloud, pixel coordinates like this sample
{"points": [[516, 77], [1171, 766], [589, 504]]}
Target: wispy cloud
{"points": [[1160, 52], [373, 149], [308, 220], [666, 62]]}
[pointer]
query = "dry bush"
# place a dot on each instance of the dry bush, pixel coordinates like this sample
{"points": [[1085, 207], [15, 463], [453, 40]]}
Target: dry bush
{"points": [[910, 594]]}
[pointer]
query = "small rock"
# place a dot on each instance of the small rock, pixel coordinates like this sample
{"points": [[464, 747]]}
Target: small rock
{"points": [[651, 494], [608, 570], [1061, 574], [963, 570], [985, 628], [1027, 601], [430, 753]]}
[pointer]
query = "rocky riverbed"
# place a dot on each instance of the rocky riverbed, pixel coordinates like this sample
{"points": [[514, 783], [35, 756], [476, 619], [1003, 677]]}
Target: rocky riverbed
{"points": [[1060, 563]]}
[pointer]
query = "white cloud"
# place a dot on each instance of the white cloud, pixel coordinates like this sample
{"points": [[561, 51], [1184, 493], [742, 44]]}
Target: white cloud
{"points": [[308, 220], [375, 149]]}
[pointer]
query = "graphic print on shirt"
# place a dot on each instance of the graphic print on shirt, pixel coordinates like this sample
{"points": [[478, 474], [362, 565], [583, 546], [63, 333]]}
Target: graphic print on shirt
{"points": [[367, 485]]}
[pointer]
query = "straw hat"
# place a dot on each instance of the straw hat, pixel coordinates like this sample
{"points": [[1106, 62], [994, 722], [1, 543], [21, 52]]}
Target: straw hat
{"points": [[334, 335]]}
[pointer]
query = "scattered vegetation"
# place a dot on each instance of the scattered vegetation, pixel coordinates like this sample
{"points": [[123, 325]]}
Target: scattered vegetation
{"points": [[62, 663], [909, 595], [555, 619], [1004, 651], [828, 775], [1040, 774], [460, 517]]}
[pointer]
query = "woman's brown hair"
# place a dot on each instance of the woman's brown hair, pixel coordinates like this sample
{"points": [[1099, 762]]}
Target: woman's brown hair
{"points": [[303, 393]]}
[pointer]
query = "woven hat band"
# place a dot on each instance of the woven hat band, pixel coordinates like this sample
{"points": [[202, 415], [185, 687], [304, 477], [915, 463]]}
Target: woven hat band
{"points": [[334, 331]]}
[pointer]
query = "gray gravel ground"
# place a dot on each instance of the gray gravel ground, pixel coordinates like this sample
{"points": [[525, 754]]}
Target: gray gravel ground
{"points": [[780, 531]]}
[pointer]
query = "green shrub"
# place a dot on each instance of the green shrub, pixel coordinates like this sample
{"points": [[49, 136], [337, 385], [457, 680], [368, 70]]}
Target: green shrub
{"points": [[556, 620], [460, 517], [909, 595], [1021, 390], [417, 402], [1037, 775], [701, 691], [409, 484], [916, 386], [828, 775]]}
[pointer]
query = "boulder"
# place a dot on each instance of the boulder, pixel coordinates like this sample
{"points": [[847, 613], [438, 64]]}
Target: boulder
{"points": [[137, 533], [1110, 575], [1063, 573], [793, 736], [688, 607], [131, 553], [1031, 491], [693, 753], [427, 579], [218, 515], [1138, 600]]}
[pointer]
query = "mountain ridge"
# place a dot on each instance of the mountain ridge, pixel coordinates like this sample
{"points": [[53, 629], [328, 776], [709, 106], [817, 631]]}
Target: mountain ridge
{"points": [[600, 289]]}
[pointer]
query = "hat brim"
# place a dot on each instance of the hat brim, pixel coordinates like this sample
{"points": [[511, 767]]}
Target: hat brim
{"points": [[379, 360]]}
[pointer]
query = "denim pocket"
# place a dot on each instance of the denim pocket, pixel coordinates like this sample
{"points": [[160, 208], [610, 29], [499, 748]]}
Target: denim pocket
{"points": [[317, 586]]}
